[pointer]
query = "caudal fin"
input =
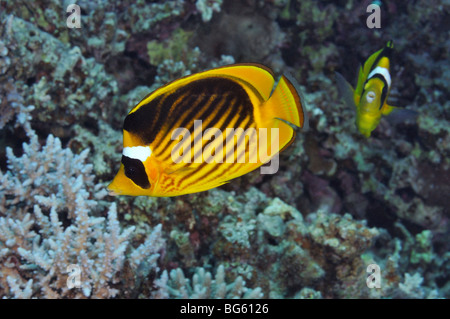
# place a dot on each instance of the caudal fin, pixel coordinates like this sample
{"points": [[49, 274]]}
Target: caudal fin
{"points": [[286, 103], [285, 109]]}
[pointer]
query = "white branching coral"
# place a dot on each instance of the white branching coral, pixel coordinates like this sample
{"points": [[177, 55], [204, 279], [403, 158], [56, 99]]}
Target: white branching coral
{"points": [[49, 205], [202, 286], [411, 287]]}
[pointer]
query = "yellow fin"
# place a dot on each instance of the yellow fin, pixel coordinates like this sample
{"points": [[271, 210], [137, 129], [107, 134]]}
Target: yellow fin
{"points": [[284, 105], [359, 85], [387, 109], [369, 63], [257, 76]]}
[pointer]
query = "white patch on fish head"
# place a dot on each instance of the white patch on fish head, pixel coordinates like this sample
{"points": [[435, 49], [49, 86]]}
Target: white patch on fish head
{"points": [[138, 152], [383, 72]]}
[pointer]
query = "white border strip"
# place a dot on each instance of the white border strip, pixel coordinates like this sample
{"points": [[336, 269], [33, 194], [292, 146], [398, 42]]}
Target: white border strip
{"points": [[137, 152], [383, 72]]}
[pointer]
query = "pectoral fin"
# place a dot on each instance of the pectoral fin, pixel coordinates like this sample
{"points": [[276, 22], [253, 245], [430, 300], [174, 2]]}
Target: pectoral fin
{"points": [[401, 115], [346, 92], [387, 109]]}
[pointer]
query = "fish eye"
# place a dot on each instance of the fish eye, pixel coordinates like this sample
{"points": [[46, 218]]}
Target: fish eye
{"points": [[370, 96], [130, 172], [135, 170]]}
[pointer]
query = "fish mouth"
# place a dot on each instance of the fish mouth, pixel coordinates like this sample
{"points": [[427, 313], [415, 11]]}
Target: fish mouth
{"points": [[112, 190], [112, 193]]}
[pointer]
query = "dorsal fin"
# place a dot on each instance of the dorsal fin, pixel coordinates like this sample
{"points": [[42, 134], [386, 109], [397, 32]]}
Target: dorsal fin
{"points": [[256, 76]]}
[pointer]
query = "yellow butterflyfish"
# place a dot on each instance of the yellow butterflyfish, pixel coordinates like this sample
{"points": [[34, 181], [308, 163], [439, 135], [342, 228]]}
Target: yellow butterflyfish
{"points": [[231, 120]]}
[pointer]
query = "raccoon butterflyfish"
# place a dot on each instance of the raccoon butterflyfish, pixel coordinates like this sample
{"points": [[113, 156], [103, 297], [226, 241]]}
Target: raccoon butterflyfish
{"points": [[371, 92], [202, 130]]}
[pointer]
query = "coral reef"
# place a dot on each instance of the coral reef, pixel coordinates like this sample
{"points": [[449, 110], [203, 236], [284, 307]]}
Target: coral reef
{"points": [[49, 223], [203, 286], [339, 202]]}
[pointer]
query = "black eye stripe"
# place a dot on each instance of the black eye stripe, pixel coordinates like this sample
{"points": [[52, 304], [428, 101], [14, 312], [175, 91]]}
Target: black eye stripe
{"points": [[135, 170], [385, 87]]}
